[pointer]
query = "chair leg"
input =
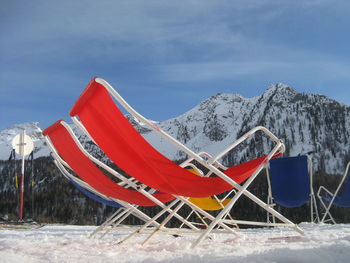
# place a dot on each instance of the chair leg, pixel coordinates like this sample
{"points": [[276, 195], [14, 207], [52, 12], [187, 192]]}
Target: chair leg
{"points": [[116, 224], [153, 219], [108, 221], [243, 190], [213, 224], [326, 208], [327, 212], [163, 223]]}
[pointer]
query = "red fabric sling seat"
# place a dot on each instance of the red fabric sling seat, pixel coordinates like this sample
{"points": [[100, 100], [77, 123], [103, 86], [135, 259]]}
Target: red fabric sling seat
{"points": [[121, 142], [87, 170]]}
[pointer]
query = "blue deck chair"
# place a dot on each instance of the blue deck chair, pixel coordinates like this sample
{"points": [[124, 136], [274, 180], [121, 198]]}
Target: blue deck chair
{"points": [[87, 192], [101, 200], [290, 181], [341, 196], [95, 197]]}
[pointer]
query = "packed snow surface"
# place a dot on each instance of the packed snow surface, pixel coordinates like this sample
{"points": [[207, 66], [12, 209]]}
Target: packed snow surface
{"points": [[66, 243]]}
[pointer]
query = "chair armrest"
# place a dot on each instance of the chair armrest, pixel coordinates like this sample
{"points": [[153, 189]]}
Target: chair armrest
{"points": [[245, 137]]}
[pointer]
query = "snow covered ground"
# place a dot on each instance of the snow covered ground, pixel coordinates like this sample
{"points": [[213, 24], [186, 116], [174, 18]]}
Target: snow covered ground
{"points": [[66, 243]]}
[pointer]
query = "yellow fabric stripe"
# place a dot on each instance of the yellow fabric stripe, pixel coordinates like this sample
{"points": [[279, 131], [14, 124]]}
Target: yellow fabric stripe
{"points": [[207, 203]]}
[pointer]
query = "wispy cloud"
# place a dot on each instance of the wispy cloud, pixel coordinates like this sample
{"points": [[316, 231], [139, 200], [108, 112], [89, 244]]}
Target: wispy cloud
{"points": [[216, 70], [51, 48]]}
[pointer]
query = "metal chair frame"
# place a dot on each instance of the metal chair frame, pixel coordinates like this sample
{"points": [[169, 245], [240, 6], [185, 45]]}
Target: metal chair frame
{"points": [[333, 195]]}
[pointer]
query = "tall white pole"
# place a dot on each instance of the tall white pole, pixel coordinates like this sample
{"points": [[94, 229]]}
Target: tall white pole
{"points": [[23, 146]]}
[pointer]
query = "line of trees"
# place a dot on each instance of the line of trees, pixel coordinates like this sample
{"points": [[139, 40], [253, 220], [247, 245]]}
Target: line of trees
{"points": [[50, 198]]}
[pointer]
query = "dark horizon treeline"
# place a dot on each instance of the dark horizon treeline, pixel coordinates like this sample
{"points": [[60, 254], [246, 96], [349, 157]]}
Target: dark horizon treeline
{"points": [[51, 198]]}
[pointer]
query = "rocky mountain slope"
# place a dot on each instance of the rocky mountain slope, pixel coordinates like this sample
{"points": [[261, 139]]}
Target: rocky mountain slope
{"points": [[305, 122]]}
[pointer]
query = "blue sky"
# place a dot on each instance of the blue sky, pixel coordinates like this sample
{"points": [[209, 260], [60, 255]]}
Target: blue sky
{"points": [[165, 57]]}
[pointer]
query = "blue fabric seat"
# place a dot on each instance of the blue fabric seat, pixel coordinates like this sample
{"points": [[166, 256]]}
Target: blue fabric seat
{"points": [[95, 197], [88, 193], [290, 182], [338, 201], [343, 197]]}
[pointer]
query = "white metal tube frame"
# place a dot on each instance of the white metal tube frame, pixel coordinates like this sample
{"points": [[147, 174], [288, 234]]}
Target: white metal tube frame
{"points": [[127, 181], [131, 208], [137, 187], [334, 195], [269, 197], [165, 209], [313, 203]]}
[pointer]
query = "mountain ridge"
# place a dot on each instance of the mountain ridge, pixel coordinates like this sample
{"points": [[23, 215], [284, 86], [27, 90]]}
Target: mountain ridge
{"points": [[305, 122]]}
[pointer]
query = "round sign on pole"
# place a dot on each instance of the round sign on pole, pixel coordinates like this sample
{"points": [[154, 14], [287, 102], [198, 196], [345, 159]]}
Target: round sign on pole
{"points": [[22, 144]]}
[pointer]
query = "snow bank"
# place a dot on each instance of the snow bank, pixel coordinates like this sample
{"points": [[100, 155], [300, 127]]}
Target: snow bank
{"points": [[57, 243]]}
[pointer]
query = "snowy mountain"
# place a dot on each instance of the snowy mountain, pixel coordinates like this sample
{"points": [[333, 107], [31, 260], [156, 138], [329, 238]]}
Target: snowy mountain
{"points": [[305, 122]]}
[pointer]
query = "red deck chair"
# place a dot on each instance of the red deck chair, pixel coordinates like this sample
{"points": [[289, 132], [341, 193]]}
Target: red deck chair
{"points": [[70, 153], [103, 121]]}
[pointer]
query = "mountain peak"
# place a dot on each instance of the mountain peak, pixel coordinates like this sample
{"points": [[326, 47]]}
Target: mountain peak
{"points": [[279, 86], [280, 91]]}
